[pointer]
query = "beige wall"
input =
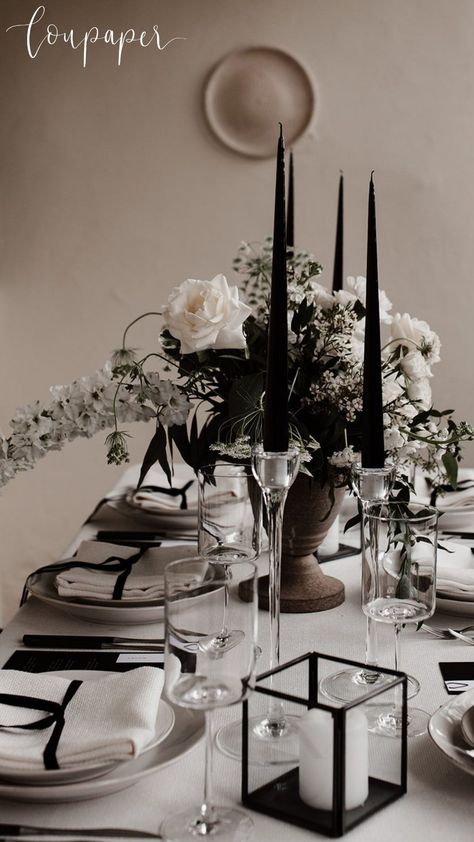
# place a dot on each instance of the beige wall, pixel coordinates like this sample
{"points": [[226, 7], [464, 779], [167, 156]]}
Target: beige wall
{"points": [[113, 190]]}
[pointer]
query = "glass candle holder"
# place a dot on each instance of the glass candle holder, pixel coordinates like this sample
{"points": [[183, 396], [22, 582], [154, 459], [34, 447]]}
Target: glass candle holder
{"points": [[340, 776]]}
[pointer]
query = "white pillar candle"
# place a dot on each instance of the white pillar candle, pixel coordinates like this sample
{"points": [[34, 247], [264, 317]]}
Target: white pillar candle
{"points": [[330, 544], [316, 759]]}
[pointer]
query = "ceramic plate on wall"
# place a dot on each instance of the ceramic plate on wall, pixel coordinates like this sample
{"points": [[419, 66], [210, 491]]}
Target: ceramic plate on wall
{"points": [[250, 91]]}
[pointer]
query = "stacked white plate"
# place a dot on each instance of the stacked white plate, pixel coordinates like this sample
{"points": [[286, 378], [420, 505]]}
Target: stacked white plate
{"points": [[445, 730], [157, 510], [177, 731], [124, 612], [455, 578]]}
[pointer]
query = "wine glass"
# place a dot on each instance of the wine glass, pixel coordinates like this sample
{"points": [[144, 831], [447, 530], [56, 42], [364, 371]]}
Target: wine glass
{"points": [[229, 512], [399, 581], [229, 529], [200, 679], [370, 485]]}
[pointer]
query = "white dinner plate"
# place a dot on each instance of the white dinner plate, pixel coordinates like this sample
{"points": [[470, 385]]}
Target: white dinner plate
{"points": [[183, 734], [123, 612], [48, 777], [445, 730], [459, 557], [181, 520], [457, 519], [42, 586], [462, 608]]}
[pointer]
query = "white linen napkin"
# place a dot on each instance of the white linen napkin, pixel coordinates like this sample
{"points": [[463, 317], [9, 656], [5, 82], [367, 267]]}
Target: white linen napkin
{"points": [[455, 573], [460, 499], [145, 582], [111, 718], [156, 501]]}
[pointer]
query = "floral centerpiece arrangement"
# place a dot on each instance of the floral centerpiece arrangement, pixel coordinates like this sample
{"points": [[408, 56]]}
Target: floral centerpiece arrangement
{"points": [[207, 402]]}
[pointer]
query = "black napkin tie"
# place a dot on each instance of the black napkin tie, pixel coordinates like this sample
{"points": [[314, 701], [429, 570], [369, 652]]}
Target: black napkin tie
{"points": [[112, 564], [172, 492], [56, 717]]}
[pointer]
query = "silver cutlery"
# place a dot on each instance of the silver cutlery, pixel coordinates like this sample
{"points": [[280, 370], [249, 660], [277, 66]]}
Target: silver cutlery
{"points": [[140, 537], [464, 637], [466, 633], [15, 831], [53, 641]]}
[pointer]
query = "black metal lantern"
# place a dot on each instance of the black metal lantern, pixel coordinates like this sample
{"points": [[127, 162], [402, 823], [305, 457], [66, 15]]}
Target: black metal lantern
{"points": [[352, 758]]}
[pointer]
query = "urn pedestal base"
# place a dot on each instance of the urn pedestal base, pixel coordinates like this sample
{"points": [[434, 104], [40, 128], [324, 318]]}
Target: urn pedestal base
{"points": [[310, 511], [310, 592]]}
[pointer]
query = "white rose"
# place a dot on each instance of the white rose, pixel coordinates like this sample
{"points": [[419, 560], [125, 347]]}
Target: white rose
{"points": [[357, 342], [415, 366], [420, 392], [393, 439], [415, 334], [358, 286], [206, 314], [344, 297], [408, 411], [320, 295], [391, 389]]}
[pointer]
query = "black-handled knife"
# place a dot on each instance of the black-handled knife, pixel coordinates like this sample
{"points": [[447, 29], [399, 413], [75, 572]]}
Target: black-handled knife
{"points": [[16, 831], [58, 641]]}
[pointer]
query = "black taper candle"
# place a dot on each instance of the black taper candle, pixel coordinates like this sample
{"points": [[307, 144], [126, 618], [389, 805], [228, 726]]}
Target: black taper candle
{"points": [[337, 278], [372, 417], [275, 418], [290, 214]]}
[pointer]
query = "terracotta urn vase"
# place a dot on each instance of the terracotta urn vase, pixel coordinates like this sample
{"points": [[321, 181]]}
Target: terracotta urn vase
{"points": [[309, 514]]}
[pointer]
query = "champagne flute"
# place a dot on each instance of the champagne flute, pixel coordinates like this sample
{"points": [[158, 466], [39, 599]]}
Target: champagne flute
{"points": [[198, 678]]}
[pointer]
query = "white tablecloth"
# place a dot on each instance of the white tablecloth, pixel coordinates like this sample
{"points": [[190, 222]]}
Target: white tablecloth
{"points": [[439, 802]]}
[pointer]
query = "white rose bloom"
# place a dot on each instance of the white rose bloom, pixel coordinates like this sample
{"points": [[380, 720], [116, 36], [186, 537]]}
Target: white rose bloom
{"points": [[415, 334], [357, 342], [343, 458], [320, 295], [420, 391], [415, 366], [391, 389], [344, 297], [358, 285], [393, 439], [407, 410], [206, 314]]}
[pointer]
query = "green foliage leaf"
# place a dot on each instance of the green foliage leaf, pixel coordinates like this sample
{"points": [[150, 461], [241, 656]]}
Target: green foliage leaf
{"points": [[156, 452], [245, 395], [451, 467]]}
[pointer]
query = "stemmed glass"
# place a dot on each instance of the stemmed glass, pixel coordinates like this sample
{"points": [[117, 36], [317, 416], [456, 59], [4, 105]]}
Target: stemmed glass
{"points": [[275, 473], [229, 529], [200, 679], [370, 485], [276, 732], [399, 581]]}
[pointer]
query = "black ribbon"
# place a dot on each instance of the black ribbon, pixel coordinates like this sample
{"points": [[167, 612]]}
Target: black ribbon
{"points": [[112, 564], [56, 717], [172, 492]]}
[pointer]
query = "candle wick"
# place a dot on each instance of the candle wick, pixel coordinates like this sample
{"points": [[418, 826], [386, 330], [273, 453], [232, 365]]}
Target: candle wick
{"points": [[372, 175], [281, 129]]}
